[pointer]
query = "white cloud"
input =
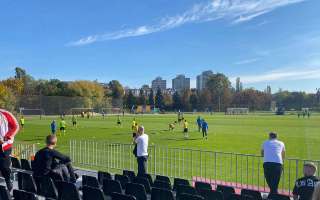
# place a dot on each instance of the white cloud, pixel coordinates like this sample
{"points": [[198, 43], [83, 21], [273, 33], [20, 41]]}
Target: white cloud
{"points": [[246, 61], [236, 11], [284, 74]]}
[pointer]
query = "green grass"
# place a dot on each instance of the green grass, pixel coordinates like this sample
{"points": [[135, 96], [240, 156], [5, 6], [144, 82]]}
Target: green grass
{"points": [[239, 134], [236, 134]]}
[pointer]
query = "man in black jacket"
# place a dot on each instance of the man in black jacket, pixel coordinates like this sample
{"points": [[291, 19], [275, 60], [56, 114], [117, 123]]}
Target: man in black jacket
{"points": [[49, 162]]}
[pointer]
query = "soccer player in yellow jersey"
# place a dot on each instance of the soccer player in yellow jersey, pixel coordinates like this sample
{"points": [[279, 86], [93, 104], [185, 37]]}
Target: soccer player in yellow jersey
{"points": [[22, 121], [185, 129]]}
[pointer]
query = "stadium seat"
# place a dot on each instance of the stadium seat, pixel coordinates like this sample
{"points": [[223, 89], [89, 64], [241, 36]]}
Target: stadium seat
{"points": [[253, 193], [67, 191], [15, 163], [90, 181], [136, 190], [118, 196], [26, 182], [202, 186], [185, 189], [25, 164], [147, 176], [23, 195], [278, 197], [179, 181], [91, 193], [111, 186], [123, 179], [4, 193], [211, 194], [103, 175], [129, 174], [226, 190], [144, 182], [234, 197], [161, 194], [46, 187], [190, 197], [162, 178], [162, 185]]}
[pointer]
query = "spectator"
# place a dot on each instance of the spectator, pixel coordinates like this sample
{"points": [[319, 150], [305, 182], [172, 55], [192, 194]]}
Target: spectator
{"points": [[273, 152], [49, 162], [9, 127], [316, 192], [142, 141], [304, 187]]}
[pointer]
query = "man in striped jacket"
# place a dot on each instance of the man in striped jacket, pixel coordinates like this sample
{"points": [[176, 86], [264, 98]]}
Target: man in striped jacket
{"points": [[9, 127]]}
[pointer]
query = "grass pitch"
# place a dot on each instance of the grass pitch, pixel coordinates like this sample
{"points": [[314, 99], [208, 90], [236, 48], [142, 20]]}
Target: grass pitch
{"points": [[240, 134]]}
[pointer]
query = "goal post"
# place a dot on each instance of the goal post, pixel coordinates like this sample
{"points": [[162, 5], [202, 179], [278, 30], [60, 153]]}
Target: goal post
{"points": [[111, 110], [237, 111], [79, 111], [31, 112]]}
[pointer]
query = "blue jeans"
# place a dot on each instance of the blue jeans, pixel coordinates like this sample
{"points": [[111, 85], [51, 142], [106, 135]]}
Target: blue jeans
{"points": [[142, 165]]}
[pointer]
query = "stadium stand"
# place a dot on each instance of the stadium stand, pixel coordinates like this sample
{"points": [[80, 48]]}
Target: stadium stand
{"points": [[33, 188]]}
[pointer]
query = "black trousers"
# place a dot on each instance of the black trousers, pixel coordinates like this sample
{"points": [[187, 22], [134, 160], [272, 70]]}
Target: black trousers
{"points": [[5, 164], [272, 173], [64, 172], [204, 133], [142, 165]]}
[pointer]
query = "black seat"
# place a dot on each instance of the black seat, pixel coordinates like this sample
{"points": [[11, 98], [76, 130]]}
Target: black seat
{"points": [[129, 174], [91, 193], [15, 163], [163, 178], [25, 164], [23, 195], [111, 186], [103, 175], [162, 185], [253, 193], [179, 181], [4, 193], [211, 194], [147, 176], [202, 186], [161, 194], [226, 190], [185, 189], [67, 191], [26, 182], [90, 181], [46, 187], [144, 182], [234, 197], [123, 179], [190, 197], [136, 190], [278, 197], [118, 196]]}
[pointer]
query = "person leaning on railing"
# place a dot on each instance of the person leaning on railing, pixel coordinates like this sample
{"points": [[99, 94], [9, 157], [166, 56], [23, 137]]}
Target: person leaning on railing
{"points": [[142, 141], [304, 186], [273, 152], [9, 127]]}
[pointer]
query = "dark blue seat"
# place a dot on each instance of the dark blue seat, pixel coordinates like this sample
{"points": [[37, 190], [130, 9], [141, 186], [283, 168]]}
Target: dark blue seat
{"points": [[162, 185], [118, 196], [226, 190], [103, 175], [91, 193], [123, 179], [4, 193], [23, 195], [90, 181], [136, 190], [211, 194], [67, 191], [202, 186], [46, 187], [161, 194], [26, 182], [111, 186], [144, 182], [25, 164], [180, 181], [253, 193]]}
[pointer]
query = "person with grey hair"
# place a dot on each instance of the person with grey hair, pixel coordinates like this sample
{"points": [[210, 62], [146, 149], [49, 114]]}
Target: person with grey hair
{"points": [[273, 152], [142, 141]]}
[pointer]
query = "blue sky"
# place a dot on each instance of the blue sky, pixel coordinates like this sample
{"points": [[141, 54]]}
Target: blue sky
{"points": [[265, 42]]}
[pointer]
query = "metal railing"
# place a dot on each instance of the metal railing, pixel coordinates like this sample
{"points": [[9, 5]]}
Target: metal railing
{"points": [[237, 170], [24, 150]]}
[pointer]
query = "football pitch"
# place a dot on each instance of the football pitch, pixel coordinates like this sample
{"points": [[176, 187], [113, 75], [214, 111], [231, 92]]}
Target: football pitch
{"points": [[237, 134]]}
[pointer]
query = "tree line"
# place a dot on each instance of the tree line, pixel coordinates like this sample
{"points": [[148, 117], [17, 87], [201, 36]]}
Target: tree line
{"points": [[216, 96]]}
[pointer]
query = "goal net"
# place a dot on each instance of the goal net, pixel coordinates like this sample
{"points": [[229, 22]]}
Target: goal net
{"points": [[237, 111], [31, 111], [82, 111], [111, 111]]}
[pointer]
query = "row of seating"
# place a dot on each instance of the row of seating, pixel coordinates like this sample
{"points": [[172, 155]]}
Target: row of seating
{"points": [[129, 186]]}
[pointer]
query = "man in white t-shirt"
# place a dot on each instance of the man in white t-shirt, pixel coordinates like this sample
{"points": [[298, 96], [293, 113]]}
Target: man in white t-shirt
{"points": [[273, 152], [142, 141]]}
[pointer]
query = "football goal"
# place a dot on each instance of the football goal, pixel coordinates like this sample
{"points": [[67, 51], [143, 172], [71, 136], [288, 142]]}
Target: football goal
{"points": [[31, 112], [82, 111], [237, 111], [111, 110]]}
